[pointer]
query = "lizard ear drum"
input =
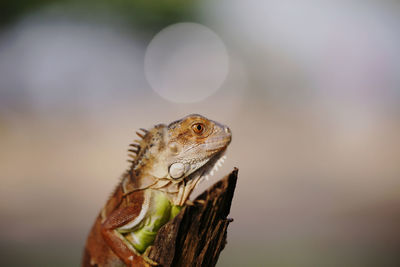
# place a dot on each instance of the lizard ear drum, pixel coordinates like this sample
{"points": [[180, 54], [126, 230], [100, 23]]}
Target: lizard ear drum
{"points": [[176, 170]]}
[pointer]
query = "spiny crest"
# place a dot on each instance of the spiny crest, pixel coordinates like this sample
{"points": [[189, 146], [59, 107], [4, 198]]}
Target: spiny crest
{"points": [[137, 146]]}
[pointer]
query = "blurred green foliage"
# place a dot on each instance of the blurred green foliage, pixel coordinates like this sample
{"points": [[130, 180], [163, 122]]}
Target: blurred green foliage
{"points": [[146, 15]]}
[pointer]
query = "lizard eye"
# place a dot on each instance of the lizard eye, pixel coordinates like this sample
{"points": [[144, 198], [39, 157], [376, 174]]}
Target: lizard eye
{"points": [[198, 128]]}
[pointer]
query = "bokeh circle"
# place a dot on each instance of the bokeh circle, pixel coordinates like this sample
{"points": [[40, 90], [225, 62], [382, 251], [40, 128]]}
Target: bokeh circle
{"points": [[186, 62]]}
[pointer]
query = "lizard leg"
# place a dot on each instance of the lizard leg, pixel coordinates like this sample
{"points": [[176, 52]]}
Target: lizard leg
{"points": [[122, 249], [118, 244]]}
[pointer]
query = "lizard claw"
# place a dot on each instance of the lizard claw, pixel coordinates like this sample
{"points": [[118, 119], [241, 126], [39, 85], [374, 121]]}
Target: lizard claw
{"points": [[189, 203], [201, 201], [145, 256]]}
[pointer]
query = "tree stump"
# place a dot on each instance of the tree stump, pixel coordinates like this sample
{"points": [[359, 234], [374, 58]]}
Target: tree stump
{"points": [[197, 235]]}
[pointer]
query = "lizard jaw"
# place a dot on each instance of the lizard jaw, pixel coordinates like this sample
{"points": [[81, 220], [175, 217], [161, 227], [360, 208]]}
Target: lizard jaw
{"points": [[209, 169], [213, 166], [187, 185]]}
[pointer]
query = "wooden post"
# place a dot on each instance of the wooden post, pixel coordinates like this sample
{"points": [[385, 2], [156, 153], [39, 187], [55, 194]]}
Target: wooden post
{"points": [[198, 233]]}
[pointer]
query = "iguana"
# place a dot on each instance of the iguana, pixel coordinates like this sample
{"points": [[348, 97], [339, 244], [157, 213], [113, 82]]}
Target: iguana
{"points": [[168, 162]]}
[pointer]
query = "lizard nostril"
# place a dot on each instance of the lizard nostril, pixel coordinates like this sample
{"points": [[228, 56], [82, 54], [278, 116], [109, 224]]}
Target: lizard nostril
{"points": [[227, 130]]}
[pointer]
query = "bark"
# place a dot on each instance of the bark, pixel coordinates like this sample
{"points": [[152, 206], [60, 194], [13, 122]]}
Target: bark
{"points": [[198, 233]]}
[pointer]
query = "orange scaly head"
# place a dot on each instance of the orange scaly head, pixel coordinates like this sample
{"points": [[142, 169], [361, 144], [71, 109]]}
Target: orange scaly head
{"points": [[193, 142], [179, 155]]}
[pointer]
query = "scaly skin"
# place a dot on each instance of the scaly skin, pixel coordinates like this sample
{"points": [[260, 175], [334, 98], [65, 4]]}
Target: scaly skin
{"points": [[169, 162]]}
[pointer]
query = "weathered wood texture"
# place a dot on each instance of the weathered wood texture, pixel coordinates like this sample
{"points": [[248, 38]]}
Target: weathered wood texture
{"points": [[198, 233]]}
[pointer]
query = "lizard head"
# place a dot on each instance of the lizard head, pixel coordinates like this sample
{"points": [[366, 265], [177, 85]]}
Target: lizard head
{"points": [[180, 154], [194, 144]]}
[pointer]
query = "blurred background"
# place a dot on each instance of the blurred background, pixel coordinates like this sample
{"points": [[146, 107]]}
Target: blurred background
{"points": [[310, 89]]}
